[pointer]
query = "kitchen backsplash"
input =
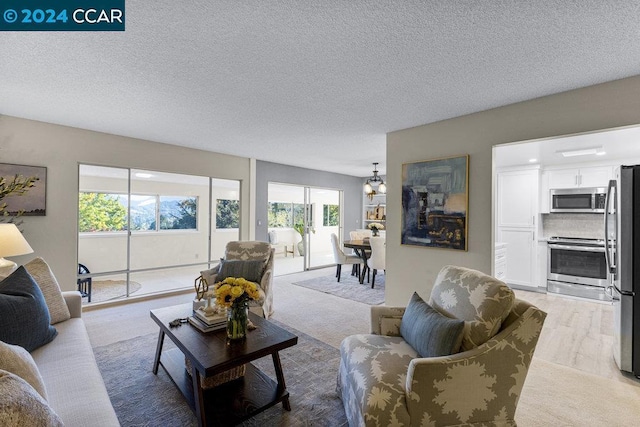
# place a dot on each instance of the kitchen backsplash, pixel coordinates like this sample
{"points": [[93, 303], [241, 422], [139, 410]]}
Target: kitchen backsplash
{"points": [[573, 225]]}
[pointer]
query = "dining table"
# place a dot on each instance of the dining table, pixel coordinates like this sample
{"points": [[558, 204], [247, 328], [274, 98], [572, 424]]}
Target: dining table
{"points": [[362, 248]]}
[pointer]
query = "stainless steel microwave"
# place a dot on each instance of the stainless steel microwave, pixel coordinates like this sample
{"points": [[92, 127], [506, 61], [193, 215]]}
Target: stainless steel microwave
{"points": [[577, 200]]}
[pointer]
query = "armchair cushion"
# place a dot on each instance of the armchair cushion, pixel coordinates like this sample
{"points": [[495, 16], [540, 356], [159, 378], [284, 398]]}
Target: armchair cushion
{"points": [[250, 270], [482, 301], [373, 372], [430, 333]]}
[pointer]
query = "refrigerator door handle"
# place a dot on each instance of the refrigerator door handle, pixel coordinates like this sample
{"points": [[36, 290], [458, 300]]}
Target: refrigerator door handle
{"points": [[607, 247]]}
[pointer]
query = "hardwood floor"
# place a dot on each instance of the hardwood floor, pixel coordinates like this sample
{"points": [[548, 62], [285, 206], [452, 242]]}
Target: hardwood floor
{"points": [[577, 333]]}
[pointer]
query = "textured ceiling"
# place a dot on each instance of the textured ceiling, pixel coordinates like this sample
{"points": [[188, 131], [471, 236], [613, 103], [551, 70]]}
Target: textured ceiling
{"points": [[315, 84]]}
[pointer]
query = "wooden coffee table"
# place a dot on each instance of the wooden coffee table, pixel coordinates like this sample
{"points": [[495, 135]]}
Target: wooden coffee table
{"points": [[237, 400]]}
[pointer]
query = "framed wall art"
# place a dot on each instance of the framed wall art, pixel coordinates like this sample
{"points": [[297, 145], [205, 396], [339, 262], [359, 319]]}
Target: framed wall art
{"points": [[32, 201], [435, 200]]}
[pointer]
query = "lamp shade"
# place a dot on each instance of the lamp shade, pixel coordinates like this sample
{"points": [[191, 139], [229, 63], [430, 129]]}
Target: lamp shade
{"points": [[12, 243]]}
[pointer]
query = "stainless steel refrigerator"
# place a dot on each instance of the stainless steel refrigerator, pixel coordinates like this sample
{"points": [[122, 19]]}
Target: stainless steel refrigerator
{"points": [[622, 231]]}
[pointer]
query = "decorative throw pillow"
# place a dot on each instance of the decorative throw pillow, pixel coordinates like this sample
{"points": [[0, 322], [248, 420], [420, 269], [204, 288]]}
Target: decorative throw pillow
{"points": [[251, 269], [482, 301], [430, 333], [21, 405], [18, 361], [24, 316], [43, 276]]}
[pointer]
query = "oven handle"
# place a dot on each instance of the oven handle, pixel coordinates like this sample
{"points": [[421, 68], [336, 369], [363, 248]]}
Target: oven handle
{"points": [[577, 248]]}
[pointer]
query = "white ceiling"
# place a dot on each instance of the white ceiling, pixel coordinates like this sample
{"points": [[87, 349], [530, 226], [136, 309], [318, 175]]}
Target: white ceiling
{"points": [[619, 145], [311, 84]]}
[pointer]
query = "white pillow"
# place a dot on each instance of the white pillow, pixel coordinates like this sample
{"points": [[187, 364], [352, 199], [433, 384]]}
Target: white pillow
{"points": [[21, 405], [43, 276], [18, 361]]}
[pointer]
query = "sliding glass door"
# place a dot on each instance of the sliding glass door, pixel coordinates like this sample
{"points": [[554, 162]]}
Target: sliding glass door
{"points": [[144, 231], [323, 219], [300, 223]]}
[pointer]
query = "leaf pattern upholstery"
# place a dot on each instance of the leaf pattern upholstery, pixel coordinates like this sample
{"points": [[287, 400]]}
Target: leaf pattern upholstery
{"points": [[382, 382]]}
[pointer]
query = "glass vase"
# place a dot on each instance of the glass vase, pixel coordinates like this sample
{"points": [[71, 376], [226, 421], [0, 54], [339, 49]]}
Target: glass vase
{"points": [[237, 316], [374, 232]]}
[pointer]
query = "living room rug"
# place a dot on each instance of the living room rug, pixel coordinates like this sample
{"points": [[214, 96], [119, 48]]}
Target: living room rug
{"points": [[143, 399], [348, 288], [106, 290]]}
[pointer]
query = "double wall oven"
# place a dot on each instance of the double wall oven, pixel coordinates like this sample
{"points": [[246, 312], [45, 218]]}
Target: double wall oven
{"points": [[577, 267]]}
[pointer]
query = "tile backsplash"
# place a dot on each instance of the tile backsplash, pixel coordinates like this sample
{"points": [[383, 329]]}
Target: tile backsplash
{"points": [[573, 225]]}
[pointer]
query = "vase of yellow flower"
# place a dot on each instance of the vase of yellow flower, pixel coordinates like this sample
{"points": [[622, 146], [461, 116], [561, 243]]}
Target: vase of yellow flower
{"points": [[234, 294], [237, 319]]}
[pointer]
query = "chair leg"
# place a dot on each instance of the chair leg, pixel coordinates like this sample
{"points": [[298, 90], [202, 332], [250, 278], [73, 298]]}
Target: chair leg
{"points": [[339, 271], [373, 281], [89, 293]]}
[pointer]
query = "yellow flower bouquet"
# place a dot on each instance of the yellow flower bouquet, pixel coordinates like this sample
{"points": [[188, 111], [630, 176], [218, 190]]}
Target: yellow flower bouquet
{"points": [[233, 290], [235, 293]]}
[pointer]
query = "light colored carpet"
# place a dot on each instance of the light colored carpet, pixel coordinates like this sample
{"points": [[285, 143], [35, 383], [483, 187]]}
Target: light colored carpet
{"points": [[349, 287], [106, 290], [556, 395], [141, 398]]}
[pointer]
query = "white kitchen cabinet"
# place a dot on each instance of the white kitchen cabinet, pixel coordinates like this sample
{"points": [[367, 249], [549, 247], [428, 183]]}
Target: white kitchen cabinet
{"points": [[521, 257], [594, 176], [517, 198], [517, 204]]}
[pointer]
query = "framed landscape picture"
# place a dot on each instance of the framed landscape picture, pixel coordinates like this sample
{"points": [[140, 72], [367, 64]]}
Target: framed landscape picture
{"points": [[435, 202], [33, 201]]}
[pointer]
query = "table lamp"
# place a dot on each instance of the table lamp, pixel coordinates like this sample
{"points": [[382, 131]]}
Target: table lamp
{"points": [[12, 243]]}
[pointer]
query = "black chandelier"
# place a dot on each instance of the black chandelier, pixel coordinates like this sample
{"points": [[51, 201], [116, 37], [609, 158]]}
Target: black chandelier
{"points": [[374, 180]]}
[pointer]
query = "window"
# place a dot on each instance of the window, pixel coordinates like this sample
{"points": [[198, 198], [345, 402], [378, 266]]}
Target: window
{"points": [[330, 215], [104, 212], [143, 212], [178, 213], [285, 215], [227, 213]]}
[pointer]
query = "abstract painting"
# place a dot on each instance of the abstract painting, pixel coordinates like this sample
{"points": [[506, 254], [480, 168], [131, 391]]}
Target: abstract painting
{"points": [[435, 203]]}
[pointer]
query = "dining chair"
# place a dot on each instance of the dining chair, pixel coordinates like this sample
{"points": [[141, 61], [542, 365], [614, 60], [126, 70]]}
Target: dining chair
{"points": [[377, 259], [339, 257]]}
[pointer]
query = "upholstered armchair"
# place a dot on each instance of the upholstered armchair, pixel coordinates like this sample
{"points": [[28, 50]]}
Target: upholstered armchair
{"points": [[383, 381], [258, 268]]}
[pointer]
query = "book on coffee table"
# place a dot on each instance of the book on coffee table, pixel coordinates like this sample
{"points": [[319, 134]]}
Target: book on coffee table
{"points": [[203, 327], [210, 320]]}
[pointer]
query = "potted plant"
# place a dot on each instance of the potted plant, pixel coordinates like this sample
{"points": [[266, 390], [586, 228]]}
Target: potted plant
{"points": [[299, 227], [375, 228]]}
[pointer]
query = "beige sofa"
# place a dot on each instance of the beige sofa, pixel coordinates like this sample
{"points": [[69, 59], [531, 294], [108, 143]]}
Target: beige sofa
{"points": [[75, 389], [48, 372]]}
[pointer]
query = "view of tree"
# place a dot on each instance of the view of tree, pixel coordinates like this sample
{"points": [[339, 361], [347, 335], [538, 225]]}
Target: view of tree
{"points": [[285, 215], [227, 213], [101, 212], [330, 215], [177, 213]]}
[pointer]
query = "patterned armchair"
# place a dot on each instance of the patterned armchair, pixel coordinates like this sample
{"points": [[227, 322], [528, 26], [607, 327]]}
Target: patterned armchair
{"points": [[382, 381], [250, 251]]}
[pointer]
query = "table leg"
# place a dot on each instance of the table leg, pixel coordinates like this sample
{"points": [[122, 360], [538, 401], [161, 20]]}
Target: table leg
{"points": [[156, 361], [198, 396], [280, 376], [363, 255]]}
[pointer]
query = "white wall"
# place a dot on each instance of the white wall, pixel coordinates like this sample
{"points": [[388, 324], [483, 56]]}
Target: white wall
{"points": [[61, 149], [411, 268]]}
